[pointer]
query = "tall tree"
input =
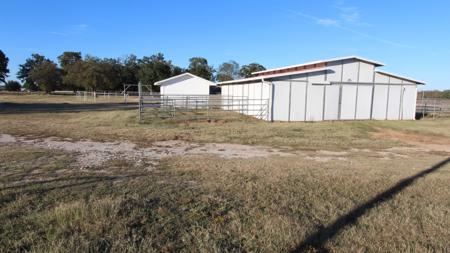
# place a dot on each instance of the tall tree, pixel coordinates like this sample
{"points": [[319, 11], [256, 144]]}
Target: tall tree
{"points": [[12, 85], [47, 76], [153, 69], [199, 67], [130, 70], [26, 68], [69, 58], [3, 67], [177, 70], [228, 71], [247, 70]]}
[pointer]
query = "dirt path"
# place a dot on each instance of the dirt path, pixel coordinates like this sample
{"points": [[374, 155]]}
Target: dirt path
{"points": [[424, 142], [91, 153]]}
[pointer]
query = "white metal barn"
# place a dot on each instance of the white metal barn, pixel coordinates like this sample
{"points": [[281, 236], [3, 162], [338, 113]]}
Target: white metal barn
{"points": [[185, 84], [348, 88]]}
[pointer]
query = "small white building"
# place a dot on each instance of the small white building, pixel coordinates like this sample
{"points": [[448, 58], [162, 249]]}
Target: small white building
{"points": [[185, 84], [347, 88]]}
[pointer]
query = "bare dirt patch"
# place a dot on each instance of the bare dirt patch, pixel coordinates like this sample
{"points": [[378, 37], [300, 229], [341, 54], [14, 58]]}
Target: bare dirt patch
{"points": [[424, 142], [91, 153]]}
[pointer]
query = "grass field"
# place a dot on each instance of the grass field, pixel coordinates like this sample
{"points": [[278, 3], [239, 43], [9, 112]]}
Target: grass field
{"points": [[337, 189]]}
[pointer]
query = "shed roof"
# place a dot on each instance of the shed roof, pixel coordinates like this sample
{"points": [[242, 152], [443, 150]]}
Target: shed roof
{"points": [[172, 79], [319, 63], [256, 78], [400, 77]]}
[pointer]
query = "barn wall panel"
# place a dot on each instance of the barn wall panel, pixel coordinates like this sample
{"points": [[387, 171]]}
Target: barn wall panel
{"points": [[394, 102], [348, 102], [395, 80], [280, 101], [314, 108], [350, 71], [409, 102], [380, 78], [364, 102], [298, 92], [335, 72], [380, 102], [366, 72], [332, 102]]}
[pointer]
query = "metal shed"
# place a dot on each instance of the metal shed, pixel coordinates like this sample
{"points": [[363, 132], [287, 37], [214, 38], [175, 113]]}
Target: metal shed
{"points": [[185, 84], [347, 88]]}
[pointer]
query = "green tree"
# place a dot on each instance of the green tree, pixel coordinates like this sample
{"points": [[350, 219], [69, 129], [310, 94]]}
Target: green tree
{"points": [[69, 58], [12, 85], [446, 94], [130, 70], [199, 67], [228, 71], [153, 69], [26, 68], [66, 61], [47, 76], [177, 70], [3, 67], [247, 70]]}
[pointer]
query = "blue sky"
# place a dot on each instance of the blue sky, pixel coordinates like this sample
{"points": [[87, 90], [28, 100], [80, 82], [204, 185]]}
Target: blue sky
{"points": [[411, 37]]}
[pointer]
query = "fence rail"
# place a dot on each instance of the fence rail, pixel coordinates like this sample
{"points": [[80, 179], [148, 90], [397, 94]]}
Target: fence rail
{"points": [[434, 107], [200, 106]]}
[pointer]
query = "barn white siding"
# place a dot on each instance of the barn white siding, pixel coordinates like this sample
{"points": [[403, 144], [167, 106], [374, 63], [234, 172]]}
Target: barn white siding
{"points": [[184, 84], [345, 89]]}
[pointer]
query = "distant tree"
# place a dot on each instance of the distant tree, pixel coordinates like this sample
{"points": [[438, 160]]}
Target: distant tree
{"points": [[69, 58], [199, 67], [47, 76], [130, 70], [12, 85], [228, 71], [446, 93], [247, 70], [26, 68], [3, 67], [153, 69], [177, 70]]}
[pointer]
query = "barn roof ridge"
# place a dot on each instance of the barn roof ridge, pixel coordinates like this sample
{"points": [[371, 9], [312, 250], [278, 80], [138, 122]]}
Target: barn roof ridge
{"points": [[376, 63]]}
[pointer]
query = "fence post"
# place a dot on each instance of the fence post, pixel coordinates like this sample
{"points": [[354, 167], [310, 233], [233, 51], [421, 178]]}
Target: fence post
{"points": [[424, 104], [140, 100]]}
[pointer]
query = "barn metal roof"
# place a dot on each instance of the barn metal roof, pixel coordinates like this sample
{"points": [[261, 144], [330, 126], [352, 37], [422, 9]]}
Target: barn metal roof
{"points": [[399, 77], [184, 74], [258, 78], [377, 64]]}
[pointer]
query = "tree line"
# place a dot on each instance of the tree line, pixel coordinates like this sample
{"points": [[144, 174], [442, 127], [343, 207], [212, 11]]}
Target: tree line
{"points": [[75, 72]]}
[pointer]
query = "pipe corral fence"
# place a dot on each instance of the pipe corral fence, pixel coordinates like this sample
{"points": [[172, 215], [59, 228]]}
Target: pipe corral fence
{"points": [[432, 106], [200, 107]]}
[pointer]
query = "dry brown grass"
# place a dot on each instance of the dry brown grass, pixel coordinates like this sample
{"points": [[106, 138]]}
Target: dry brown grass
{"points": [[202, 203]]}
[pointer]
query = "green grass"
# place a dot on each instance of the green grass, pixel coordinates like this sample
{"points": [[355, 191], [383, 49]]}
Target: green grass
{"points": [[202, 203]]}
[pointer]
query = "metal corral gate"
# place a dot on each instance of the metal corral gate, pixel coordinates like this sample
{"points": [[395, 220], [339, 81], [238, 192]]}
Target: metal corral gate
{"points": [[200, 106]]}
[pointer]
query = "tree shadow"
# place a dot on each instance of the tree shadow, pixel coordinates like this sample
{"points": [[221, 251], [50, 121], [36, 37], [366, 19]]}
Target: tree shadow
{"points": [[317, 240], [11, 108]]}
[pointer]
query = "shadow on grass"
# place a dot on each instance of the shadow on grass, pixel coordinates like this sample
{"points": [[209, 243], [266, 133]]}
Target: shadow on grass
{"points": [[66, 183], [317, 240], [11, 108]]}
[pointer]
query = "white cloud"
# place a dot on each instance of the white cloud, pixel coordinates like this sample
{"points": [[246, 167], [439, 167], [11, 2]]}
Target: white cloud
{"points": [[80, 27], [58, 33], [350, 14], [328, 22], [71, 30]]}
